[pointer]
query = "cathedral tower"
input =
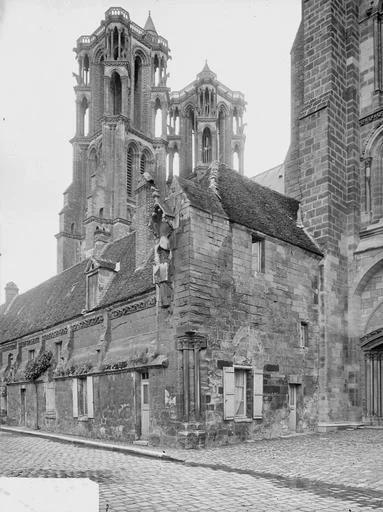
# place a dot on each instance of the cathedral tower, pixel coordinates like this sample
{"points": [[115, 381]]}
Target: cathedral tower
{"points": [[121, 90], [132, 132], [205, 124]]}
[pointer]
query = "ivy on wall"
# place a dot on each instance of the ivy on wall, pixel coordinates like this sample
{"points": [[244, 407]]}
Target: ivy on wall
{"points": [[38, 366]]}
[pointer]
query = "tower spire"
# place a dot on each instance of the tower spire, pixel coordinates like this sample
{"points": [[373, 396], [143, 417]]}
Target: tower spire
{"points": [[149, 25]]}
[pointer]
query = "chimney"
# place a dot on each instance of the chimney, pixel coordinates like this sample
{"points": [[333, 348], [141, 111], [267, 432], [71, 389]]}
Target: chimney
{"points": [[11, 291], [101, 238]]}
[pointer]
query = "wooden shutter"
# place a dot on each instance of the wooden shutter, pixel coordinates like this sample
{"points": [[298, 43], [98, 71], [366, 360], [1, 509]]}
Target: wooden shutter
{"points": [[75, 398], [228, 393], [50, 403], [257, 393], [89, 397]]}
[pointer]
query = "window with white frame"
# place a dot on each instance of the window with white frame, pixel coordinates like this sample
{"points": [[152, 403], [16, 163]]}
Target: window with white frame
{"points": [[258, 255], [31, 354], [243, 392], [82, 396]]}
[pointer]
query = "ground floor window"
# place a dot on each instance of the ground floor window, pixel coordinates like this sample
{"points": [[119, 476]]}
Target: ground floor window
{"points": [[82, 395], [243, 393], [50, 396]]}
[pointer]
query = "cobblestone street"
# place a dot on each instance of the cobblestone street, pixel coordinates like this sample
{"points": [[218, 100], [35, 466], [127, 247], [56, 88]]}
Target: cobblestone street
{"points": [[340, 471]]}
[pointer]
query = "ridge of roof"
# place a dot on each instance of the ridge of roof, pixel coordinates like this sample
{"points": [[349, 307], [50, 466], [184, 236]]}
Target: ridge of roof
{"points": [[250, 204]]}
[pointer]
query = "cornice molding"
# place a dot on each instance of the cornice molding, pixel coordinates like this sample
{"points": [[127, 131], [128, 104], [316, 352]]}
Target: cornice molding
{"points": [[144, 303], [378, 114]]}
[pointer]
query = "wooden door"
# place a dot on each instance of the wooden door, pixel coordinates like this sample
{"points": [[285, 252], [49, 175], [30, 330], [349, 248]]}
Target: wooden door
{"points": [[293, 407], [22, 407], [144, 405]]}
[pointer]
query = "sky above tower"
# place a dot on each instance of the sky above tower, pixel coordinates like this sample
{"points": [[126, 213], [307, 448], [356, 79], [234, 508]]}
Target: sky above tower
{"points": [[246, 43]]}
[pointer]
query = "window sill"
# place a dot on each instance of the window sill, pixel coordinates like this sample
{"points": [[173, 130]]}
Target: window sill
{"points": [[83, 418], [50, 415], [243, 420]]}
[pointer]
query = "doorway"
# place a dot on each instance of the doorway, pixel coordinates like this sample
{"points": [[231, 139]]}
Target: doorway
{"points": [[22, 407], [293, 407], [144, 405]]}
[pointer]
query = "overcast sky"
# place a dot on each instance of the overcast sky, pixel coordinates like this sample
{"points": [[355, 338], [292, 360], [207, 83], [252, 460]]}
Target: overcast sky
{"points": [[246, 42]]}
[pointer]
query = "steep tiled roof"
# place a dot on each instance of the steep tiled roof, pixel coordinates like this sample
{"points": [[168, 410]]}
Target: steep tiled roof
{"points": [[247, 203], [272, 178], [127, 281], [63, 296]]}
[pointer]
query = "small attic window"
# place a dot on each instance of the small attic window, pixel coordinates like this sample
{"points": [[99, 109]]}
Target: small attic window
{"points": [[91, 295], [257, 255]]}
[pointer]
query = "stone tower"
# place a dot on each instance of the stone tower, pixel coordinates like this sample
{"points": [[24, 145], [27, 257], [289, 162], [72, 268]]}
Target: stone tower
{"points": [[121, 85], [332, 81], [130, 130], [206, 124]]}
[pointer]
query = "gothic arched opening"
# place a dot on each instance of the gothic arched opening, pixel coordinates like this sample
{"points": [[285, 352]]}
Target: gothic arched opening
{"points": [[129, 171], [176, 162], [116, 93], [143, 163], [156, 70], [236, 158], [85, 70], [137, 91], [235, 121], [221, 135], [206, 146], [157, 118], [115, 44], [84, 117]]}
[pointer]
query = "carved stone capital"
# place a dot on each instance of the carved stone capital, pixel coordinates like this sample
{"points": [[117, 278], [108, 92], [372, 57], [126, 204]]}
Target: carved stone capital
{"points": [[191, 341]]}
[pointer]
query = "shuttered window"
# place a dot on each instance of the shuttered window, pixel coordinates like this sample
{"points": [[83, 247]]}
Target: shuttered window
{"points": [[82, 393], [50, 398], [242, 393], [143, 163], [228, 392], [89, 396], [129, 172], [257, 393], [74, 398]]}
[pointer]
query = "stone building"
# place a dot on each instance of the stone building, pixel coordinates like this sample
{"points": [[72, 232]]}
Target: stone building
{"points": [[203, 307]]}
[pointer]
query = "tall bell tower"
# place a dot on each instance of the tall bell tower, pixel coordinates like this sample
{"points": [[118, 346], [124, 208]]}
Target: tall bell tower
{"points": [[121, 109], [205, 124]]}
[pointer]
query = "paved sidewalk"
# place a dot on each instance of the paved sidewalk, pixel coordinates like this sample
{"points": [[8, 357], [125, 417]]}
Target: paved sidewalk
{"points": [[349, 457], [337, 472], [114, 446]]}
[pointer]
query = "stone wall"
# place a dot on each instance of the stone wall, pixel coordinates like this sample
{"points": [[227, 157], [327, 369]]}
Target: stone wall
{"points": [[248, 318]]}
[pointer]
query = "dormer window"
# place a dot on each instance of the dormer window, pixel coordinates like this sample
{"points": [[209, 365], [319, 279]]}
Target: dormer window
{"points": [[92, 282], [99, 275]]}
